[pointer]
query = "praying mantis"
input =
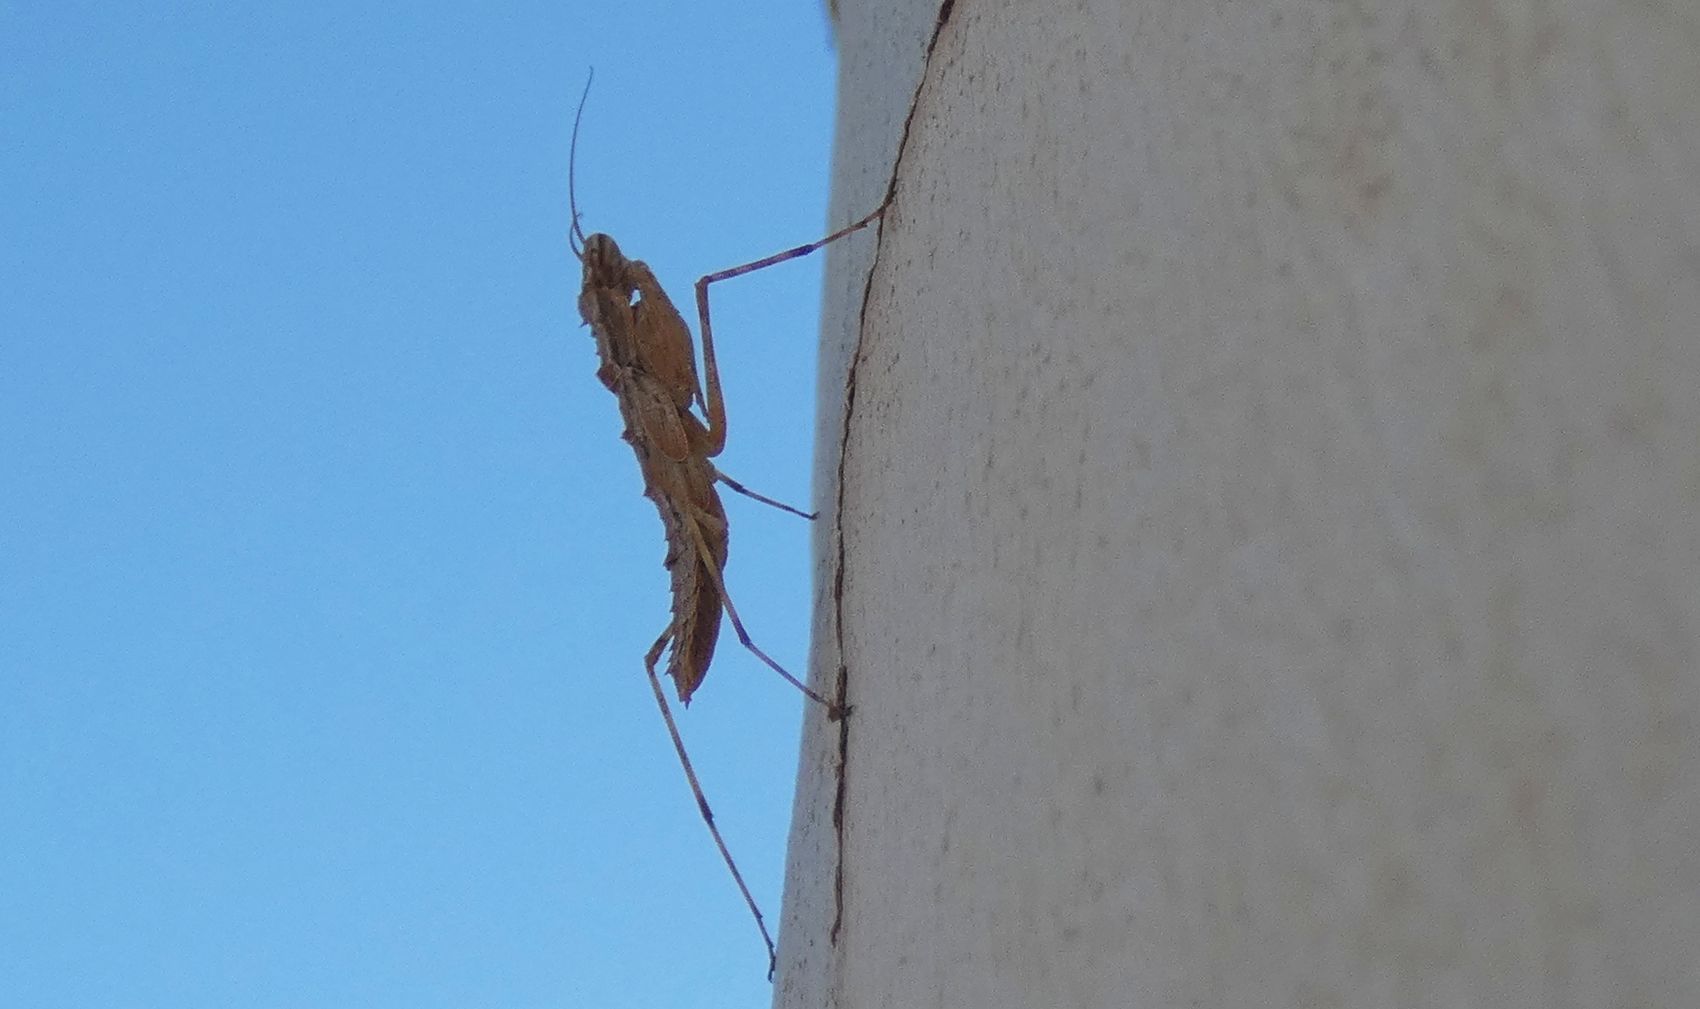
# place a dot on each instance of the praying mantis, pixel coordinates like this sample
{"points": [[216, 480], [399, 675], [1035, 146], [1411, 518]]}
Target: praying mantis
{"points": [[648, 361]]}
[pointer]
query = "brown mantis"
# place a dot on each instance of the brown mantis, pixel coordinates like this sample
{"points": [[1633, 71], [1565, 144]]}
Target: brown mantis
{"points": [[649, 363]]}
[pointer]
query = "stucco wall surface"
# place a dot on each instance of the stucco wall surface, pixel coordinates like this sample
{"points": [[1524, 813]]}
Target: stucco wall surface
{"points": [[1270, 525]]}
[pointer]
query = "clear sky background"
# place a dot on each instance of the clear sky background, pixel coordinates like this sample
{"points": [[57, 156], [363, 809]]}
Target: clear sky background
{"points": [[325, 577]]}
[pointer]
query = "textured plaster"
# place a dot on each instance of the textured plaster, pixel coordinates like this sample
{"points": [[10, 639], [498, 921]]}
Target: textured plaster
{"points": [[1271, 510]]}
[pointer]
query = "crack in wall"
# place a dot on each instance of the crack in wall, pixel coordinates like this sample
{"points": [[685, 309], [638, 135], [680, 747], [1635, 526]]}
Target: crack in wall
{"points": [[842, 686]]}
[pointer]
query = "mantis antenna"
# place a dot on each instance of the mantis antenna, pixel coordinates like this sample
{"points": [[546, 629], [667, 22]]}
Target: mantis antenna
{"points": [[575, 237]]}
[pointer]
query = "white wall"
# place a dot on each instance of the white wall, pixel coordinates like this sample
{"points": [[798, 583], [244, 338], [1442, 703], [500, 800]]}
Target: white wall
{"points": [[1271, 515]]}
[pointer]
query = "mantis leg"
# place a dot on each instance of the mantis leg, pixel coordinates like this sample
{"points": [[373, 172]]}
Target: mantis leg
{"points": [[702, 801], [708, 562], [713, 406], [764, 499]]}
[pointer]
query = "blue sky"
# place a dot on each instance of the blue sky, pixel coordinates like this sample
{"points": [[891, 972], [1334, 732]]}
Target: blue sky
{"points": [[324, 575]]}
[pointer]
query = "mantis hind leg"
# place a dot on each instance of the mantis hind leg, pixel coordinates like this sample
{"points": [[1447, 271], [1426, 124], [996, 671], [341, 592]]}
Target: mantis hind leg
{"points": [[702, 800], [713, 568]]}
